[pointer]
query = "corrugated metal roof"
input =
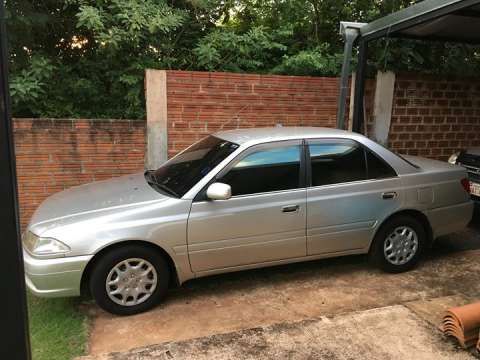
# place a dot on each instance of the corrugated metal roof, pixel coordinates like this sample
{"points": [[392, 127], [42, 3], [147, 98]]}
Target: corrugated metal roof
{"points": [[450, 20]]}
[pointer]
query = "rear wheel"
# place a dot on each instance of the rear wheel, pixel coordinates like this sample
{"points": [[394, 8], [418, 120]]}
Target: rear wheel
{"points": [[399, 244], [129, 280]]}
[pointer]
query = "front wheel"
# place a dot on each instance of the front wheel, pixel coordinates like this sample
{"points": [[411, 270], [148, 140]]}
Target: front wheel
{"points": [[129, 280], [398, 245]]}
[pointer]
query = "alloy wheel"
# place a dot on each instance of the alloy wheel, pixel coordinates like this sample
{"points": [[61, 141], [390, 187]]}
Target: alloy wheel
{"points": [[401, 245], [131, 282]]}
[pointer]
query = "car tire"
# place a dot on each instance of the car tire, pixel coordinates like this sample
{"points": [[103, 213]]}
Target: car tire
{"points": [[398, 245], [138, 279]]}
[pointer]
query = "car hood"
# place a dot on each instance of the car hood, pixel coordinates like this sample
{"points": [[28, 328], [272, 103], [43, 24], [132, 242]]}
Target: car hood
{"points": [[95, 197]]}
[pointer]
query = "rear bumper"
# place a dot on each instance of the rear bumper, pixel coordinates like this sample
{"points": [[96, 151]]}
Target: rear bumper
{"points": [[447, 220], [54, 277]]}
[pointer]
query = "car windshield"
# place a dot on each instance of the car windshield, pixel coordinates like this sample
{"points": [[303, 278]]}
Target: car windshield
{"points": [[178, 175]]}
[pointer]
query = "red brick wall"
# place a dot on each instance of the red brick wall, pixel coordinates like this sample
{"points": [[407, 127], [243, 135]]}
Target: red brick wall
{"points": [[54, 154], [435, 117], [431, 117], [200, 103]]}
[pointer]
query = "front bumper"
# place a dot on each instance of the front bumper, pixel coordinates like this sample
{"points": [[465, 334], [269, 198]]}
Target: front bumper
{"points": [[54, 277]]}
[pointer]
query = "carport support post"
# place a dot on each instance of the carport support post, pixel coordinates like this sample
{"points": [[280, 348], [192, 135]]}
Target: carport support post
{"points": [[382, 109], [350, 34], [358, 108], [14, 343]]}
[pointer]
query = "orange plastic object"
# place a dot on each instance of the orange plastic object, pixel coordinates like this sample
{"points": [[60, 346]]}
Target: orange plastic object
{"points": [[463, 323]]}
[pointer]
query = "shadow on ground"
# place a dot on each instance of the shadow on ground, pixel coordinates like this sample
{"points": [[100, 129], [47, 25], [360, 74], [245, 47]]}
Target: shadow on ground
{"points": [[291, 293]]}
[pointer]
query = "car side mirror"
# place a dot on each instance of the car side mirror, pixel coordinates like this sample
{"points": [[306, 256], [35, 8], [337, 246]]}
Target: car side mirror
{"points": [[219, 191]]}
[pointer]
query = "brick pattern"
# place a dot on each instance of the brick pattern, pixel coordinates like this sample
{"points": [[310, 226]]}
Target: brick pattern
{"points": [[55, 154], [200, 103], [435, 117], [431, 117]]}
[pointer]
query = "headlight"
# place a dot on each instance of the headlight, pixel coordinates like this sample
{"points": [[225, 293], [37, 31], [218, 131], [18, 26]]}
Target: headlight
{"points": [[453, 159], [44, 246]]}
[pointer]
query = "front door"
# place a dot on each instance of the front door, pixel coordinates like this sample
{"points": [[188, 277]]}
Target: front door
{"points": [[351, 190], [265, 218]]}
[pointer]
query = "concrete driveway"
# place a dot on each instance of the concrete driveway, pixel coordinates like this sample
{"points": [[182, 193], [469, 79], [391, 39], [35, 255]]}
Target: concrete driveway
{"points": [[330, 298]]}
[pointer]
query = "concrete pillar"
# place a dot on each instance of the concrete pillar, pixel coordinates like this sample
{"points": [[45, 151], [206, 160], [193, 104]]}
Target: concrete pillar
{"points": [[352, 97], [156, 152], [382, 111]]}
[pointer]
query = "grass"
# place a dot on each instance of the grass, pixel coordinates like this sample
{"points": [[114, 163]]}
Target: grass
{"points": [[58, 330]]}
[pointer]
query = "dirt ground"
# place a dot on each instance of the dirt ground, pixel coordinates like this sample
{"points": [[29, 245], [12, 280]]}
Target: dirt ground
{"points": [[336, 309], [383, 333]]}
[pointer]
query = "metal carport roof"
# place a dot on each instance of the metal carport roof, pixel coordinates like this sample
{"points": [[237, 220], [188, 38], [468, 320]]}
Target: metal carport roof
{"points": [[435, 20], [445, 20]]}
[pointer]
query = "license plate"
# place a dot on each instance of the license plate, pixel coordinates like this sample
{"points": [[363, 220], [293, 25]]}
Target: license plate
{"points": [[474, 189]]}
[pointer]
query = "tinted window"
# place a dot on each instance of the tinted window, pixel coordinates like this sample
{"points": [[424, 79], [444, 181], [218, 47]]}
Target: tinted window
{"points": [[378, 168], [183, 171], [265, 170], [337, 161]]}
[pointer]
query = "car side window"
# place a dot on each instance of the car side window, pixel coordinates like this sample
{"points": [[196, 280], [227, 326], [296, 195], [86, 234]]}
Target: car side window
{"points": [[265, 170], [336, 161], [378, 168]]}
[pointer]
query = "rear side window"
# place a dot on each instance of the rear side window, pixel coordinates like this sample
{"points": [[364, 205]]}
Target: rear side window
{"points": [[342, 161], [337, 161], [265, 170], [378, 168]]}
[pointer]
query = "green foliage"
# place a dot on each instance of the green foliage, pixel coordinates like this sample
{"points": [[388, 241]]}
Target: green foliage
{"points": [[120, 23], [226, 50], [86, 58], [426, 57], [29, 86], [99, 50], [317, 62]]}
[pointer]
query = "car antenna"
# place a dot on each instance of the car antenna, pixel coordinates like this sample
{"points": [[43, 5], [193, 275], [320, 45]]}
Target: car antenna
{"points": [[235, 117]]}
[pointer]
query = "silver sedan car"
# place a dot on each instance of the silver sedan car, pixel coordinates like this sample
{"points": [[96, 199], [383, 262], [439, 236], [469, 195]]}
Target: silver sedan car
{"points": [[237, 200]]}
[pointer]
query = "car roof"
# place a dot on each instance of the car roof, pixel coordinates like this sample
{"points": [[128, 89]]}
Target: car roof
{"points": [[280, 133]]}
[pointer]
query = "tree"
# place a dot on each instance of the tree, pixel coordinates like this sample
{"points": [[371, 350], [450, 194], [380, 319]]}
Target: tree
{"points": [[86, 58]]}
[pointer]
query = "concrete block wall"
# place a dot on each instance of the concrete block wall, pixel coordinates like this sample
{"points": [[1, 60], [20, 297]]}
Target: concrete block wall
{"points": [[434, 117]]}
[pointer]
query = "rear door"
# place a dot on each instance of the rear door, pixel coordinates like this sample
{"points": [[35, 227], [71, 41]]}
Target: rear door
{"points": [[351, 189], [265, 218]]}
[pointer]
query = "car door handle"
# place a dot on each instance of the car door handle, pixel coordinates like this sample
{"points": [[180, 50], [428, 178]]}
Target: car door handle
{"points": [[389, 195], [290, 208]]}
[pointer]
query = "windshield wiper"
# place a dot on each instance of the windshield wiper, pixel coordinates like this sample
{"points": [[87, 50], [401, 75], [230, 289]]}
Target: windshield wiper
{"points": [[151, 179]]}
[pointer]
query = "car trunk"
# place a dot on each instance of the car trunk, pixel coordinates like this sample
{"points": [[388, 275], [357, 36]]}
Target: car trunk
{"points": [[429, 164]]}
